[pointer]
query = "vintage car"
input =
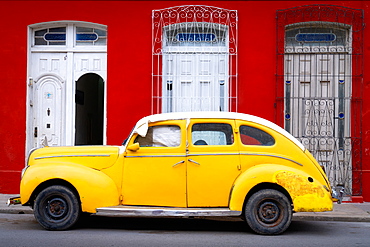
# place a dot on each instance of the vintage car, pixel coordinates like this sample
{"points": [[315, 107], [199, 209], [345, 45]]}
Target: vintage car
{"points": [[180, 164]]}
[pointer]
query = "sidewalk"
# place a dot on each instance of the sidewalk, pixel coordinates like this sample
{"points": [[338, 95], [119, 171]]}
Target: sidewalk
{"points": [[350, 212]]}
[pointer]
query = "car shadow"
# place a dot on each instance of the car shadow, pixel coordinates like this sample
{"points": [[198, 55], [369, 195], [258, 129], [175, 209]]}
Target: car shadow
{"points": [[163, 224], [169, 225]]}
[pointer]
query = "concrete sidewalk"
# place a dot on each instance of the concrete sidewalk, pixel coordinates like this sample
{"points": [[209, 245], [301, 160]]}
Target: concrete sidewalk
{"points": [[350, 212]]}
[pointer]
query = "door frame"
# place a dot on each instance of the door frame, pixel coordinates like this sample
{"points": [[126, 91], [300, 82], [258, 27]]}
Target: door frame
{"points": [[68, 120]]}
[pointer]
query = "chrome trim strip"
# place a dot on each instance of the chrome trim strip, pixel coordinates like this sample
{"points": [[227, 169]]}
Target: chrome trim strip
{"points": [[82, 155], [213, 154], [164, 211], [153, 156], [270, 155], [163, 156]]}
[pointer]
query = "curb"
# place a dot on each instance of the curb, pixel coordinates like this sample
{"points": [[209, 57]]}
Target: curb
{"points": [[10, 210], [331, 218]]}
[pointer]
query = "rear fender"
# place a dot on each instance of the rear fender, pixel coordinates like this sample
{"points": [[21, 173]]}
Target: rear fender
{"points": [[95, 189], [307, 195]]}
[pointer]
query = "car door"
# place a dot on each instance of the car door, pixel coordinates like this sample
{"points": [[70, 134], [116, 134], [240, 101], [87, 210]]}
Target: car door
{"points": [[213, 162], [155, 173]]}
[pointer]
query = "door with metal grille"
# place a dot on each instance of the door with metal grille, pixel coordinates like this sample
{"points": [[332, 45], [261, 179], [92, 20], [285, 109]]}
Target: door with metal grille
{"points": [[318, 96], [318, 110], [319, 85]]}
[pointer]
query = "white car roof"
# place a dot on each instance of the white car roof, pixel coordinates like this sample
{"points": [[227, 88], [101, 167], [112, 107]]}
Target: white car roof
{"points": [[142, 125]]}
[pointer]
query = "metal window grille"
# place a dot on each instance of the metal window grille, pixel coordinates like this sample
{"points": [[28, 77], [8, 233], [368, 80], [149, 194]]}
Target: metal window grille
{"points": [[205, 39]]}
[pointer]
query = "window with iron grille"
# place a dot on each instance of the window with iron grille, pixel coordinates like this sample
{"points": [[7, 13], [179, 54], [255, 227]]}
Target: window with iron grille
{"points": [[194, 59]]}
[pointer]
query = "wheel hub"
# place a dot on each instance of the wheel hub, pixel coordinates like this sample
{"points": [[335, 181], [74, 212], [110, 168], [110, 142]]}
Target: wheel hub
{"points": [[57, 207], [269, 212]]}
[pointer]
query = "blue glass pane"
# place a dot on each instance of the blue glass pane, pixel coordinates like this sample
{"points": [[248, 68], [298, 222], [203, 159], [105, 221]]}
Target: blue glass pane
{"points": [[315, 37], [195, 37], [55, 36], [86, 36]]}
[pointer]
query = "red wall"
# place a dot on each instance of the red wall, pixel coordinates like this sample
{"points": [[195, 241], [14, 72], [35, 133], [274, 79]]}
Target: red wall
{"points": [[129, 65]]}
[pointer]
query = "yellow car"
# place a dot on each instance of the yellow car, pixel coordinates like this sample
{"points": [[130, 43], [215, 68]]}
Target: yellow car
{"points": [[181, 164]]}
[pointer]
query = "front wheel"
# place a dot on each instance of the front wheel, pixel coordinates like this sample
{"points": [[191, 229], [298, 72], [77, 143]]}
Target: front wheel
{"points": [[268, 212], [57, 208]]}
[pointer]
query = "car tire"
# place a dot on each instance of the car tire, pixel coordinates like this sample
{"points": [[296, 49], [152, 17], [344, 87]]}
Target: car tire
{"points": [[268, 212], [57, 208]]}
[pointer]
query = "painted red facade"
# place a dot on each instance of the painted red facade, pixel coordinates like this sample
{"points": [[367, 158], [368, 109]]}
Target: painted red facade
{"points": [[129, 25]]}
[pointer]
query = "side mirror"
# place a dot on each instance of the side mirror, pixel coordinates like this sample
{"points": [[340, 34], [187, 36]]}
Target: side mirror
{"points": [[134, 147]]}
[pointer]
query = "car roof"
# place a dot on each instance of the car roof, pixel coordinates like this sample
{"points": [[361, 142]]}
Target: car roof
{"points": [[142, 124]]}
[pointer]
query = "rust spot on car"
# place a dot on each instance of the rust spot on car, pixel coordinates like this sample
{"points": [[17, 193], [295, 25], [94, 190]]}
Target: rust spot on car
{"points": [[306, 194]]}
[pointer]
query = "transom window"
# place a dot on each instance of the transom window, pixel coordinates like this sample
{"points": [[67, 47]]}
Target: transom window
{"points": [[316, 34], [195, 33], [51, 36], [194, 37], [90, 36], [82, 36]]}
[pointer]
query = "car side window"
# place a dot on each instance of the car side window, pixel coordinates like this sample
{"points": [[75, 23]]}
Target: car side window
{"points": [[212, 134], [161, 136], [253, 136]]}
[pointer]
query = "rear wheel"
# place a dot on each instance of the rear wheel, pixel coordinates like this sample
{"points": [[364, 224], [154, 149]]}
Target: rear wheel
{"points": [[57, 208], [268, 212]]}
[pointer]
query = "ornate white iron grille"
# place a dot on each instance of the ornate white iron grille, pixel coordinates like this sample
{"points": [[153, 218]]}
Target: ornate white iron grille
{"points": [[319, 86], [194, 59]]}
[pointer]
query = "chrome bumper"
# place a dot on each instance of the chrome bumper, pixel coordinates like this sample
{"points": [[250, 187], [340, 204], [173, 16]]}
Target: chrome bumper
{"points": [[13, 201], [337, 193]]}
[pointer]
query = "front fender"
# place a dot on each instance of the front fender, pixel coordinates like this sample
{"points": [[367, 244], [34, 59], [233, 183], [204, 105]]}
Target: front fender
{"points": [[94, 188], [307, 195]]}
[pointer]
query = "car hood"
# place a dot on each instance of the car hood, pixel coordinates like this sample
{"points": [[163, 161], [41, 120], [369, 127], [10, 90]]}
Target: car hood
{"points": [[97, 157]]}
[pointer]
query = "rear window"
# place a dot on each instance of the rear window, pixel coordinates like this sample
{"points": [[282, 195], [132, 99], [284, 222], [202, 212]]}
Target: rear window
{"points": [[253, 136]]}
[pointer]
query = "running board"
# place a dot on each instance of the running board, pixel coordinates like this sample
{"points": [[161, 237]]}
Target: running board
{"points": [[140, 211]]}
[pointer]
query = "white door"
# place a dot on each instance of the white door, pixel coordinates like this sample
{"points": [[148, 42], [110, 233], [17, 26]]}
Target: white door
{"points": [[49, 109], [47, 97], [195, 82]]}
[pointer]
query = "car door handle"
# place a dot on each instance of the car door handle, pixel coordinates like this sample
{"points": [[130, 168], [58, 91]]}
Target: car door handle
{"points": [[178, 163], [194, 162]]}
